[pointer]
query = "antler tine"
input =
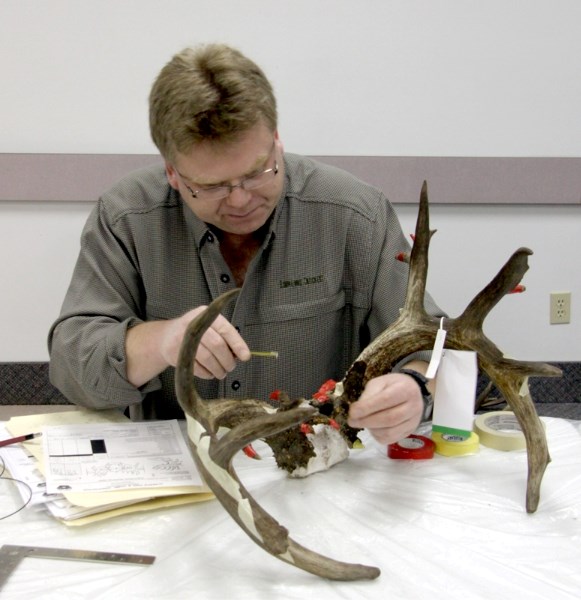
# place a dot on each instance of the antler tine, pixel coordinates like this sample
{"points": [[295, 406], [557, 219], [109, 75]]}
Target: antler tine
{"points": [[506, 279], [414, 327], [418, 271], [213, 457], [514, 388]]}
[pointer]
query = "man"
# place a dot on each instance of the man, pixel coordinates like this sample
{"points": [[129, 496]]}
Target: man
{"points": [[312, 248]]}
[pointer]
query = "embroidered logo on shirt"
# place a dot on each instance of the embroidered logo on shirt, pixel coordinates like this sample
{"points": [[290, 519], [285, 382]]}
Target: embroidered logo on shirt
{"points": [[284, 283]]}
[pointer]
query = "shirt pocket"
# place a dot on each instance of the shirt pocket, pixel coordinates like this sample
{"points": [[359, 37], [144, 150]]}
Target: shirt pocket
{"points": [[297, 310], [311, 337]]}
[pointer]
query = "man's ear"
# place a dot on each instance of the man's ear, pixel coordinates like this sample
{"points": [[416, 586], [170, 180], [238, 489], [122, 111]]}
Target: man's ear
{"points": [[278, 142], [172, 176]]}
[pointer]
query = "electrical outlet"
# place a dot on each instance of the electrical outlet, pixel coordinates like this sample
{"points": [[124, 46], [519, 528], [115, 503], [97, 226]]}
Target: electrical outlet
{"points": [[560, 307]]}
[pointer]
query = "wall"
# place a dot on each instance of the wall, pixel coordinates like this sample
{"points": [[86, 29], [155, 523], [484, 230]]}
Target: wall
{"points": [[381, 77]]}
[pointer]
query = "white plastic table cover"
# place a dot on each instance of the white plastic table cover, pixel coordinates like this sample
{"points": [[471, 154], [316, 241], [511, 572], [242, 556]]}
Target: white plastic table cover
{"points": [[448, 527]]}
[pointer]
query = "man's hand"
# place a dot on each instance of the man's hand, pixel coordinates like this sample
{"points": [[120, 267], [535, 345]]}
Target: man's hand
{"points": [[219, 347], [390, 406], [153, 346]]}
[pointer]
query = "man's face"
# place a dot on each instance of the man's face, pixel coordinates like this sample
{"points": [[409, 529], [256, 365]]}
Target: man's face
{"points": [[211, 164]]}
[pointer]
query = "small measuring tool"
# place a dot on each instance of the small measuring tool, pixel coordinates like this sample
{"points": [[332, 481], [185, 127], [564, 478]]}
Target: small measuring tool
{"points": [[11, 556]]}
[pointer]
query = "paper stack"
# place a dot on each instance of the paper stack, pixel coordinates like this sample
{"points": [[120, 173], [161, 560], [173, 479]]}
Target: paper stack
{"points": [[93, 465]]}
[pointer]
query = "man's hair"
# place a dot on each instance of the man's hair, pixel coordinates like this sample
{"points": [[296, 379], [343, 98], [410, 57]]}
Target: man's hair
{"points": [[209, 93]]}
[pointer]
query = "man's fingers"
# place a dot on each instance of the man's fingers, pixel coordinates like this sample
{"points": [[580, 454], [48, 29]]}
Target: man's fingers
{"points": [[229, 334], [390, 435], [389, 407], [201, 371], [379, 418], [378, 396], [219, 348], [208, 361]]}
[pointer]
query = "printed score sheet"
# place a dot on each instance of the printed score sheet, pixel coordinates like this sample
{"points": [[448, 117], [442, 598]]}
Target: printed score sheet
{"points": [[97, 457]]}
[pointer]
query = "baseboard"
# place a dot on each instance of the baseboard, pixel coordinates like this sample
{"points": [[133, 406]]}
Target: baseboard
{"points": [[27, 383]]}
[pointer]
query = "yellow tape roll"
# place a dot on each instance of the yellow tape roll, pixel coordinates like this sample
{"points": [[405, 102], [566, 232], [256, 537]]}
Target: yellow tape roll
{"points": [[454, 445], [500, 430]]}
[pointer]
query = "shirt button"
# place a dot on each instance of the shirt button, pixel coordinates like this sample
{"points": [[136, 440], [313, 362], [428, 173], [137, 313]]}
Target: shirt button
{"points": [[224, 278], [209, 237], [237, 328], [236, 385]]}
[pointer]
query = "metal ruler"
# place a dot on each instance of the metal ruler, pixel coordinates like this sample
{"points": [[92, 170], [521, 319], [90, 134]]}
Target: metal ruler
{"points": [[11, 556]]}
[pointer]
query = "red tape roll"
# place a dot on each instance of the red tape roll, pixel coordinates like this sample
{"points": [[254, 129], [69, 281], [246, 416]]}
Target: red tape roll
{"points": [[416, 447]]}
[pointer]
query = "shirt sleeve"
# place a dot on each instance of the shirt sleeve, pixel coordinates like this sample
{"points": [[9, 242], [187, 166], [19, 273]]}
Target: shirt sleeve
{"points": [[87, 341]]}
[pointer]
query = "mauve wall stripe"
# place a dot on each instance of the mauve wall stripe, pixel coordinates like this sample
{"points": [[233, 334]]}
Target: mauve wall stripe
{"points": [[451, 180]]}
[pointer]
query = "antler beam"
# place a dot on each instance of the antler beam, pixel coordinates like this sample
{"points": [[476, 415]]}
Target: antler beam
{"points": [[213, 456]]}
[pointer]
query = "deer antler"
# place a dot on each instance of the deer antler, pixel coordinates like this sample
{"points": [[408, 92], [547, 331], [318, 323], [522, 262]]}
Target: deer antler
{"points": [[416, 330], [213, 456]]}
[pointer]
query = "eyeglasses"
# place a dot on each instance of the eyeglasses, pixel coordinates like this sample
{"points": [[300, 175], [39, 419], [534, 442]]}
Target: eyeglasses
{"points": [[250, 182]]}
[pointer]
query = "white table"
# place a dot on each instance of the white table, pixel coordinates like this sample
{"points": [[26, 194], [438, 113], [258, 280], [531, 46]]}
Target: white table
{"points": [[453, 528]]}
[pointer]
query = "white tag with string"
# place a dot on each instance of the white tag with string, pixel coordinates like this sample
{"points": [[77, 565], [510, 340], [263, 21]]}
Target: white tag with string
{"points": [[437, 351], [455, 393]]}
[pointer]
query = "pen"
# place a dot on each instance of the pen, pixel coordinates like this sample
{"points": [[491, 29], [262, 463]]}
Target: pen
{"points": [[20, 438]]}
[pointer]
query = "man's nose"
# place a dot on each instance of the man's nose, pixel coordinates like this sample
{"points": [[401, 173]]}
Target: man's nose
{"points": [[238, 196]]}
